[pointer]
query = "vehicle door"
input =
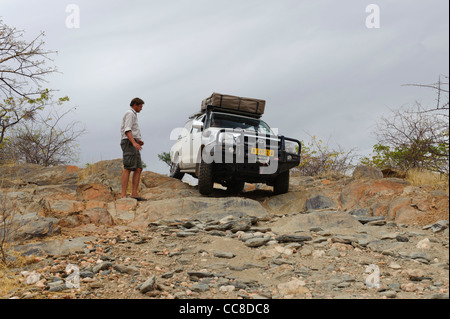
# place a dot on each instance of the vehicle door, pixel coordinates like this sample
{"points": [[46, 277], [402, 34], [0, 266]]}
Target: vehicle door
{"points": [[196, 141], [185, 141]]}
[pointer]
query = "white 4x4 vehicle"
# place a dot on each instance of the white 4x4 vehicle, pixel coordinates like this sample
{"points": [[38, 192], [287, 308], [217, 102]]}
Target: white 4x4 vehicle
{"points": [[225, 147]]}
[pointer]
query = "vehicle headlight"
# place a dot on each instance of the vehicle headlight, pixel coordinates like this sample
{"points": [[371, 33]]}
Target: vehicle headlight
{"points": [[291, 147]]}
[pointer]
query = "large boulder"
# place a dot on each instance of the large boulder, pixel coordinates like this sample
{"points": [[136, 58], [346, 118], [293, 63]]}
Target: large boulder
{"points": [[57, 247], [200, 208], [292, 202], [152, 179], [158, 187], [23, 174], [107, 173], [29, 226], [360, 193], [95, 191]]}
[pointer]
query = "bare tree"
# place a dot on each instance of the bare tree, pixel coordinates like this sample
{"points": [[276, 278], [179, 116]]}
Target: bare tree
{"points": [[23, 64], [414, 138], [47, 141], [442, 97], [23, 68]]}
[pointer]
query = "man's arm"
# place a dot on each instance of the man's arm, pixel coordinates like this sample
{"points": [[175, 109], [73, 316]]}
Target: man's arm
{"points": [[138, 146]]}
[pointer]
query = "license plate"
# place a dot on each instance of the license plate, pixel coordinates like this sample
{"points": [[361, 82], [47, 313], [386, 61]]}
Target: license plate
{"points": [[262, 151]]}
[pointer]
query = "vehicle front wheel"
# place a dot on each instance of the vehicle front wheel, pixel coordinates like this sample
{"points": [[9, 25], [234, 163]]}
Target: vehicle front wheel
{"points": [[205, 178], [281, 185]]}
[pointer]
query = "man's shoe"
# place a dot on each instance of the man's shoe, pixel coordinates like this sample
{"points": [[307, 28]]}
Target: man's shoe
{"points": [[140, 199]]}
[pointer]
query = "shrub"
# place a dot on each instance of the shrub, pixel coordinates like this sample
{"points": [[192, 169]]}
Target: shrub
{"points": [[317, 158]]}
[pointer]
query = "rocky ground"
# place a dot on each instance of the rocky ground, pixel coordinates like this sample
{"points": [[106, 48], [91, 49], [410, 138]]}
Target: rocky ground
{"points": [[361, 237]]}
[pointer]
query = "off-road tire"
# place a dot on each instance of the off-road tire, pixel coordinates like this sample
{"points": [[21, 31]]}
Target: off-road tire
{"points": [[205, 178], [281, 185], [175, 171]]}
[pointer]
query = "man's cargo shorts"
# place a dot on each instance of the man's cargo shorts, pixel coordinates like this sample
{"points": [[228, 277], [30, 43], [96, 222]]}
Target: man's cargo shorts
{"points": [[131, 156]]}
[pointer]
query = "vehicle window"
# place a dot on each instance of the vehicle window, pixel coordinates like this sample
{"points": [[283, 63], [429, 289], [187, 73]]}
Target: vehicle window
{"points": [[237, 122]]}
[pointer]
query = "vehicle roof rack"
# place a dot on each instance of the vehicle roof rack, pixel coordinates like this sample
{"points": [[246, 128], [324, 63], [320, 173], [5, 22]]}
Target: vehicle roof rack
{"points": [[232, 111], [226, 110]]}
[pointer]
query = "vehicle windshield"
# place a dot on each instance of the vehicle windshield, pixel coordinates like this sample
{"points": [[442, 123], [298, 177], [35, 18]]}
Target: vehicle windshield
{"points": [[238, 122]]}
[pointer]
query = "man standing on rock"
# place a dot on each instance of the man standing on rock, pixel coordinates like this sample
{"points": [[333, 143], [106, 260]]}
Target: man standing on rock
{"points": [[131, 145]]}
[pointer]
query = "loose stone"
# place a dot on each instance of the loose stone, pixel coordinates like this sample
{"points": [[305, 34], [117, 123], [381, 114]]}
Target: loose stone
{"points": [[292, 238], [256, 242], [148, 285], [223, 254]]}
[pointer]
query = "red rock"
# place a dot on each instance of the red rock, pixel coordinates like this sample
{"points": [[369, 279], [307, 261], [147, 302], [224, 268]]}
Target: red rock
{"points": [[59, 208], [381, 208], [152, 179], [71, 168], [95, 191], [97, 217], [408, 215], [396, 205], [352, 194], [360, 193], [389, 185], [96, 204]]}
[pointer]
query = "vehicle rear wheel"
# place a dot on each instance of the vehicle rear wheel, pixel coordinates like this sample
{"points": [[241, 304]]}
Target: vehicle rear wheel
{"points": [[281, 185], [205, 178], [175, 171]]}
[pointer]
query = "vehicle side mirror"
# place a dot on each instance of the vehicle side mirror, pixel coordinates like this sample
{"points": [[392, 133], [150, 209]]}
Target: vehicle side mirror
{"points": [[197, 124]]}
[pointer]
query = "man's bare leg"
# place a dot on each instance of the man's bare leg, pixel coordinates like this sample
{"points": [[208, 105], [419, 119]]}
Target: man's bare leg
{"points": [[135, 182], [125, 179]]}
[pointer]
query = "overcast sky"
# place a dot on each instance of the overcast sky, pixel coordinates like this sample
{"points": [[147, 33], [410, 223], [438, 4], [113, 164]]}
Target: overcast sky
{"points": [[319, 67]]}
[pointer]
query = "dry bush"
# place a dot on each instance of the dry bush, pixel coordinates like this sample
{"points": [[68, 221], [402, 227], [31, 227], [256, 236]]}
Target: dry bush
{"points": [[47, 140], [419, 177], [319, 159], [10, 279]]}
